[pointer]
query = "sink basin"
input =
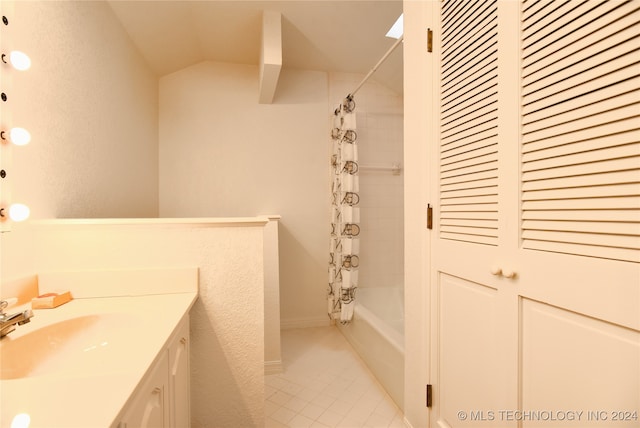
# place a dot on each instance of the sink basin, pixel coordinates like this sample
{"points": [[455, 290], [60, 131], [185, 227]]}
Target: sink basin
{"points": [[78, 345]]}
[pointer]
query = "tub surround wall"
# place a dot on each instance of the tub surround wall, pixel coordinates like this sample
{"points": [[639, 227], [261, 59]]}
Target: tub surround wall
{"points": [[227, 321]]}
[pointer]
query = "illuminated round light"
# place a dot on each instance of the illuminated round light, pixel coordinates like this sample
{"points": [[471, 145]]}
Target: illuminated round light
{"points": [[19, 212], [21, 420], [20, 60], [19, 136]]}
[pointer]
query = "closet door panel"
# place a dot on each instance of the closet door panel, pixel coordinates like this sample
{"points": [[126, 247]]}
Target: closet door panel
{"points": [[473, 333], [468, 203], [594, 369], [543, 50], [579, 201], [581, 132], [470, 345]]}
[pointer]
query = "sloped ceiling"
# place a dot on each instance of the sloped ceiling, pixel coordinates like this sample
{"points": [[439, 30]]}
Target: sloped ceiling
{"points": [[345, 36]]}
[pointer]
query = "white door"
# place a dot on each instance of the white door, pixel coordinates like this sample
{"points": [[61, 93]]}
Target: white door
{"points": [[535, 278]]}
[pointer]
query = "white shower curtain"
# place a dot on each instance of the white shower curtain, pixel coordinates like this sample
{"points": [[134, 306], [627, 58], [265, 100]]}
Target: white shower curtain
{"points": [[345, 215]]}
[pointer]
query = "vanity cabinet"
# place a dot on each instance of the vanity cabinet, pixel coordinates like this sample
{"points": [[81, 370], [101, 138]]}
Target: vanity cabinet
{"points": [[149, 406], [179, 387], [162, 401]]}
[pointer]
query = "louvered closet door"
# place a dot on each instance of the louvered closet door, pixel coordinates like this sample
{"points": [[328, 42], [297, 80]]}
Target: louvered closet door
{"points": [[471, 365], [536, 250], [580, 208]]}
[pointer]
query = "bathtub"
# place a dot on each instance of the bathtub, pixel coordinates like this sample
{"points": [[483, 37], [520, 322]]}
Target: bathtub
{"points": [[377, 334]]}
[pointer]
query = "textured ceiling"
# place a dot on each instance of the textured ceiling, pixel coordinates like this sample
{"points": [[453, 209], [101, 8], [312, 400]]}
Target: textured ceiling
{"points": [[345, 36]]}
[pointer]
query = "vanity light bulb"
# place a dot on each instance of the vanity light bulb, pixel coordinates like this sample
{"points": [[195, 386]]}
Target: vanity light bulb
{"points": [[21, 420], [19, 212], [19, 136], [20, 60]]}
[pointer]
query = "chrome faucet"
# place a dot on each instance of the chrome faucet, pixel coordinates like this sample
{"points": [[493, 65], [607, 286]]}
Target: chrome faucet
{"points": [[8, 322]]}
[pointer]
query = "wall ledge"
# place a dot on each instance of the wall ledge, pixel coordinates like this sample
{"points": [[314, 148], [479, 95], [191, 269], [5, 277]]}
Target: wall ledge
{"points": [[259, 221]]}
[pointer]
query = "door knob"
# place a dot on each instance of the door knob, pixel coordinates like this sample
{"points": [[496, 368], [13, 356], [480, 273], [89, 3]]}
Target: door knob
{"points": [[507, 273]]}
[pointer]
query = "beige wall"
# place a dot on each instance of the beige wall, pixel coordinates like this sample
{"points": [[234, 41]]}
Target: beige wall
{"points": [[223, 154], [90, 103]]}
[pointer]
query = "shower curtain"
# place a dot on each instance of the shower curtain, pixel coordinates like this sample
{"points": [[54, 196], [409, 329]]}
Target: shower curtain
{"points": [[345, 215]]}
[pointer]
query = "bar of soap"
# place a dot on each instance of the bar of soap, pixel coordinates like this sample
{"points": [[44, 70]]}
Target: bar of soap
{"points": [[50, 300]]}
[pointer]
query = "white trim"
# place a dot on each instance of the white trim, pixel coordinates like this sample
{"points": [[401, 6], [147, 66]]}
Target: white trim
{"points": [[193, 222], [304, 323], [273, 367]]}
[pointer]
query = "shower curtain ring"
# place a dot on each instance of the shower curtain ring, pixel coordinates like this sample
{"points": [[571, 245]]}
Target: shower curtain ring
{"points": [[351, 261], [348, 105], [351, 198], [350, 136], [347, 295], [351, 229], [351, 167]]}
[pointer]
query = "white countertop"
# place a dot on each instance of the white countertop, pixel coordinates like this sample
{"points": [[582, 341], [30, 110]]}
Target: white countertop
{"points": [[125, 335]]}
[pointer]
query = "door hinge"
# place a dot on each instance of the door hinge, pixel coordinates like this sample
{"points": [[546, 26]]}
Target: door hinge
{"points": [[429, 216], [429, 396], [429, 40]]}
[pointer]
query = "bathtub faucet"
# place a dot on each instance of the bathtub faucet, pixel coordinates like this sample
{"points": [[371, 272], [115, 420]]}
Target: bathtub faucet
{"points": [[8, 322]]}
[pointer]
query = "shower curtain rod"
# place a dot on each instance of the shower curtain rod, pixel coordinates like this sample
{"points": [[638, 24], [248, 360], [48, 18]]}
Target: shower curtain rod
{"points": [[375, 67]]}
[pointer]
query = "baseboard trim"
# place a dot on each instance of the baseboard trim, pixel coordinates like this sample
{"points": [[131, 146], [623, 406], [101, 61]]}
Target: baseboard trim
{"points": [[273, 367], [304, 323]]}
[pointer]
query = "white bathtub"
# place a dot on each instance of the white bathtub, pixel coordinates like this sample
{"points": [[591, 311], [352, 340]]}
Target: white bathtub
{"points": [[376, 333]]}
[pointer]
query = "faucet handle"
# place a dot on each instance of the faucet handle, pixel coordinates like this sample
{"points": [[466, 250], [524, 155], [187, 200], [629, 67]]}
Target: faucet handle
{"points": [[8, 302]]}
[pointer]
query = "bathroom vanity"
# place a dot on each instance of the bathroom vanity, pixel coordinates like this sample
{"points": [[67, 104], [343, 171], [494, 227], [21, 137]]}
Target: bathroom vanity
{"points": [[119, 361], [132, 282], [162, 398]]}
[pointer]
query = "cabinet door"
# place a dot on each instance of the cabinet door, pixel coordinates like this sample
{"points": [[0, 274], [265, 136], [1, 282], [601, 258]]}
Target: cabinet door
{"points": [[149, 407], [535, 276], [179, 376]]}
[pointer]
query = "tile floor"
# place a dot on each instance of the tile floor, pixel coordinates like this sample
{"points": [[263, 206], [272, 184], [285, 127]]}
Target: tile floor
{"points": [[325, 384]]}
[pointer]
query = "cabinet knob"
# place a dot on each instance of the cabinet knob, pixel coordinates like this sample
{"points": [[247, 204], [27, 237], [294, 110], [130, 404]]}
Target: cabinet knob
{"points": [[496, 270]]}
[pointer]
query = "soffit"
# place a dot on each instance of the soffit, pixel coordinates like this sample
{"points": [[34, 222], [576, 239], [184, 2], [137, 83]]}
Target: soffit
{"points": [[343, 36]]}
